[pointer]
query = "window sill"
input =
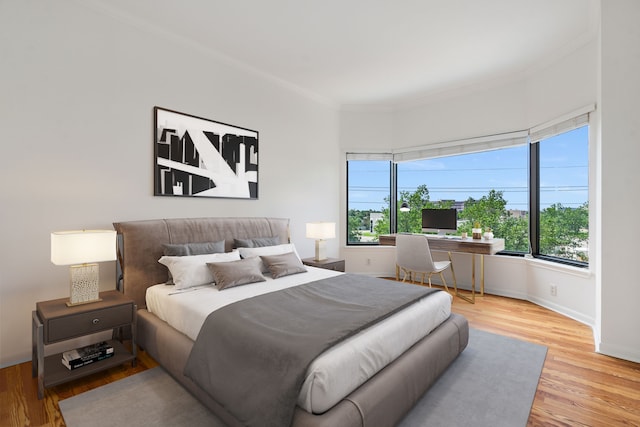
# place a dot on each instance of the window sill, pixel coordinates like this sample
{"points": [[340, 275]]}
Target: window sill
{"points": [[559, 267]]}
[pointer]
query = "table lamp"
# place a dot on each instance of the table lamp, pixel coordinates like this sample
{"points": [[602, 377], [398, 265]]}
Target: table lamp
{"points": [[82, 250], [321, 231]]}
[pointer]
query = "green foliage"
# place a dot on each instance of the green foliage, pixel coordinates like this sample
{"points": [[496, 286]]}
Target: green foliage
{"points": [[562, 230], [354, 224], [489, 212], [515, 232], [411, 222]]}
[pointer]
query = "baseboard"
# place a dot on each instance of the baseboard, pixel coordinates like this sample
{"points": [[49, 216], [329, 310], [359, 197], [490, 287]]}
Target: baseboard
{"points": [[563, 310]]}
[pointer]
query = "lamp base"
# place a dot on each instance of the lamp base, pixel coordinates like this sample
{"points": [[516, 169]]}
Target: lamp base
{"points": [[85, 281], [321, 250], [72, 304]]}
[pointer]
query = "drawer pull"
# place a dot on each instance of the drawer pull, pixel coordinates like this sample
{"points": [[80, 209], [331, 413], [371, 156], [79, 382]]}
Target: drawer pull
{"points": [[96, 321]]}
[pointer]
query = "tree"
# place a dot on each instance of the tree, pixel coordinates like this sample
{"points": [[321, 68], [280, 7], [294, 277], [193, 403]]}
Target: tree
{"points": [[489, 211], [515, 232], [411, 221], [563, 230], [354, 223]]}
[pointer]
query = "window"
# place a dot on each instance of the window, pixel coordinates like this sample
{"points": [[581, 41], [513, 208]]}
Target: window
{"points": [[563, 208], [489, 187], [534, 195], [368, 199]]}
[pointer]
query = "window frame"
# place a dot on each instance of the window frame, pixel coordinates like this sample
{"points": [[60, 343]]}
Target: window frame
{"points": [[392, 198]]}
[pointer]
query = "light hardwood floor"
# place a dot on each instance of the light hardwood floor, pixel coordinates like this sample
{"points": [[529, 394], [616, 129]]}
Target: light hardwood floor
{"points": [[578, 387]]}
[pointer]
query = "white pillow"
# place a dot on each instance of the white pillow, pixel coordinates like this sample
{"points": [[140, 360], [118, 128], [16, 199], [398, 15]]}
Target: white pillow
{"points": [[188, 271], [267, 250]]}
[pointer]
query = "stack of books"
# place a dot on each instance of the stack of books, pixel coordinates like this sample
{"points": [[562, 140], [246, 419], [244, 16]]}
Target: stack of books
{"points": [[79, 357]]}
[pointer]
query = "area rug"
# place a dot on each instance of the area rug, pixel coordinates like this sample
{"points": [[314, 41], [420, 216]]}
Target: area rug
{"points": [[492, 383]]}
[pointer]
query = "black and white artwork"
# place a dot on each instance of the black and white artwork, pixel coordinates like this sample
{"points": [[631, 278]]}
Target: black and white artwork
{"points": [[203, 158]]}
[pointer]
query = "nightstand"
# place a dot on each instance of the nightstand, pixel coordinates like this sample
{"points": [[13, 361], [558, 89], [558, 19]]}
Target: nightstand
{"points": [[328, 264], [54, 322]]}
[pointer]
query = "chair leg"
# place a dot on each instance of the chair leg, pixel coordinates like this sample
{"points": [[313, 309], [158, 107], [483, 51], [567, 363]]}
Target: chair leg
{"points": [[406, 273], [444, 282], [453, 273], [472, 300]]}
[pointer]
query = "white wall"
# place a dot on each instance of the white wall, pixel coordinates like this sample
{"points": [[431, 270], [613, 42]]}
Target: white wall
{"points": [[78, 88], [485, 111]]}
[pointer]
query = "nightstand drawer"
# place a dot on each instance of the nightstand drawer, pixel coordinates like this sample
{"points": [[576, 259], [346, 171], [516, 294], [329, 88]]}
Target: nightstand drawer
{"points": [[63, 328]]}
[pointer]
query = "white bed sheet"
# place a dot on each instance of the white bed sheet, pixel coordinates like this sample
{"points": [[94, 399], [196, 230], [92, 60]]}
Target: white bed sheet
{"points": [[338, 371]]}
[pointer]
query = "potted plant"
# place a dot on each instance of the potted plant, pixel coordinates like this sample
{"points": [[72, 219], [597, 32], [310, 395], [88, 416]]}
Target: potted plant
{"points": [[476, 230], [488, 234]]}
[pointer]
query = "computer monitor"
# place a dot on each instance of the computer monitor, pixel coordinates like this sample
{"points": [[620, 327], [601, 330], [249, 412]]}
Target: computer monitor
{"points": [[440, 221]]}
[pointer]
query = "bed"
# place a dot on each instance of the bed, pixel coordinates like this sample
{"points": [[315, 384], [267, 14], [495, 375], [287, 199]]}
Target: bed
{"points": [[381, 400]]}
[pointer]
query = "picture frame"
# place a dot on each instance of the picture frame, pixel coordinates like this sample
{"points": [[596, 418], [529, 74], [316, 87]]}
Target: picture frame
{"points": [[198, 157]]}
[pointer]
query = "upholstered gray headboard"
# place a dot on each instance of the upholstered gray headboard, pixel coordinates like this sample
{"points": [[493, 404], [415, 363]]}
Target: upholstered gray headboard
{"points": [[140, 244]]}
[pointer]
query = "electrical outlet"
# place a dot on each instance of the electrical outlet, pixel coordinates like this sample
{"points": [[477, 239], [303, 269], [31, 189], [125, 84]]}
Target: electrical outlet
{"points": [[554, 290]]}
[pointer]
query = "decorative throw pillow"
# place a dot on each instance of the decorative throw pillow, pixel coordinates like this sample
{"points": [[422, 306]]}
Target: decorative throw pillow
{"points": [[188, 271], [186, 249], [236, 273], [283, 264], [267, 250], [256, 242]]}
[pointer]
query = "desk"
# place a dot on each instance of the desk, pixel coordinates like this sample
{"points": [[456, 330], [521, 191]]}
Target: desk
{"points": [[471, 246]]}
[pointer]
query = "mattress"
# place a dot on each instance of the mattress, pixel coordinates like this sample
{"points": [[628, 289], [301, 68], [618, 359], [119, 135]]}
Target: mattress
{"points": [[338, 371]]}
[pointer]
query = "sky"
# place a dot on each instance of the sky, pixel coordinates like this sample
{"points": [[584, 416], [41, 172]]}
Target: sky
{"points": [[564, 175]]}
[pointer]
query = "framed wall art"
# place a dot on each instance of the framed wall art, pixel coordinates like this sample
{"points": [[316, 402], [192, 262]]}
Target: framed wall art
{"points": [[197, 157]]}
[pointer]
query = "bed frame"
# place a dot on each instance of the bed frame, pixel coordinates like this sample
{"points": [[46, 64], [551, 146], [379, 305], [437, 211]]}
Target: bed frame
{"points": [[381, 401]]}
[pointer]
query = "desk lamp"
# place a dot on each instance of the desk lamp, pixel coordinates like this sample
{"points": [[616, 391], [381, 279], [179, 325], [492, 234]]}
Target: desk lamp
{"points": [[82, 250], [321, 231]]}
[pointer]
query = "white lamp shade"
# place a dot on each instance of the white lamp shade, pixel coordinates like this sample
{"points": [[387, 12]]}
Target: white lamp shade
{"points": [[82, 246], [321, 230]]}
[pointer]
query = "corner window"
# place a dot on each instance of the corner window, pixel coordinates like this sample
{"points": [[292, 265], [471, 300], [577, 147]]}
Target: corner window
{"points": [[531, 190]]}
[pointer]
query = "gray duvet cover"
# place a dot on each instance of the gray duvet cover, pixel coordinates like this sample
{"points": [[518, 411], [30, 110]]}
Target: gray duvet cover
{"points": [[252, 356]]}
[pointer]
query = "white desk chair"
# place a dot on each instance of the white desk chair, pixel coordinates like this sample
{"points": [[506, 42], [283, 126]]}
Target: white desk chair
{"points": [[413, 255]]}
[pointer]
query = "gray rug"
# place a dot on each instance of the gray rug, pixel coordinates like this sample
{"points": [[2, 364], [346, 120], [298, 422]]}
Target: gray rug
{"points": [[492, 383]]}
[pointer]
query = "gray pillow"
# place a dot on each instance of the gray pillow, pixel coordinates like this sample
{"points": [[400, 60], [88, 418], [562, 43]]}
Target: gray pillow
{"points": [[186, 249], [256, 242], [236, 273], [283, 264]]}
